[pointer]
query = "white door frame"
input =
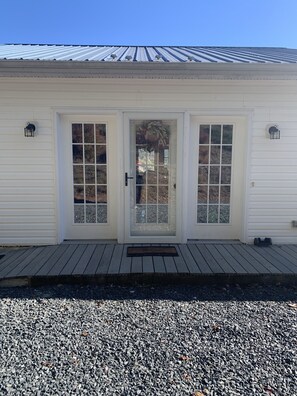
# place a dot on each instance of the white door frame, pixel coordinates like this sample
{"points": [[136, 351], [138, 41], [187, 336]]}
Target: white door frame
{"points": [[127, 238], [62, 119], [239, 118]]}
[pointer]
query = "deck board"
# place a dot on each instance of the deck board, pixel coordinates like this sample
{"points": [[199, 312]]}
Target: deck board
{"points": [[93, 264], [10, 259], [125, 267], [23, 263], [159, 265], [170, 265], [92, 259], [115, 262], [62, 260], [238, 268], [39, 261], [180, 263], [84, 260], [105, 259], [136, 265], [220, 259], [148, 265], [240, 259], [274, 258], [291, 259], [251, 259], [192, 252], [49, 263], [212, 263]]}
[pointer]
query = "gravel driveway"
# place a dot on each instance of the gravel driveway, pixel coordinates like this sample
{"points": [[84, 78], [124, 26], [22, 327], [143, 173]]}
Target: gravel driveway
{"points": [[171, 340]]}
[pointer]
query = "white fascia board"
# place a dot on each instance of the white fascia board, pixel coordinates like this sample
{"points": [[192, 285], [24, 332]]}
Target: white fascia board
{"points": [[70, 69]]}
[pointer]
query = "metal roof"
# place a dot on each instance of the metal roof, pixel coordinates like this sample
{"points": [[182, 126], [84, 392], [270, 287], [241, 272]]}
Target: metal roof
{"points": [[155, 54]]}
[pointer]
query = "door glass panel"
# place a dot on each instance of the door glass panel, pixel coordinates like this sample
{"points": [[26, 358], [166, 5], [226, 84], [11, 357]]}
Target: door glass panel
{"points": [[90, 178], [153, 168], [214, 174]]}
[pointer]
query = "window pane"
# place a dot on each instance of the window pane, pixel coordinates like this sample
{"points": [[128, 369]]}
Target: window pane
{"points": [[89, 154], [163, 175], [77, 154], [226, 154], [203, 154], [90, 174], [224, 214], [216, 134], [215, 154], [226, 175], [163, 195], [78, 174], [225, 194], [201, 214], [214, 177], [204, 134], [89, 133], [79, 214], [152, 213], [101, 174], [152, 194], [100, 133], [101, 213], [227, 134], [102, 194], [151, 177], [141, 214], [91, 214], [214, 194], [90, 194], [101, 154], [202, 194], [78, 194], [203, 175], [163, 214], [213, 214], [76, 133]]}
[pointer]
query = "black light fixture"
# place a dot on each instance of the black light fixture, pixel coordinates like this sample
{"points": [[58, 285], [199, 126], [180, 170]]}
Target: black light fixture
{"points": [[274, 131], [29, 130]]}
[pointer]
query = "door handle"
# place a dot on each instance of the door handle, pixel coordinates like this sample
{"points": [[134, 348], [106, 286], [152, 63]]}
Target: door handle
{"points": [[127, 178]]}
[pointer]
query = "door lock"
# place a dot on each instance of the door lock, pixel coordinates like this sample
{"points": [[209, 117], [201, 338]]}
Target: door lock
{"points": [[127, 178]]}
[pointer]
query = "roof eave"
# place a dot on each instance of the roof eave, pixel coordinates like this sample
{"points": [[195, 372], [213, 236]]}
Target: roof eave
{"points": [[163, 70]]}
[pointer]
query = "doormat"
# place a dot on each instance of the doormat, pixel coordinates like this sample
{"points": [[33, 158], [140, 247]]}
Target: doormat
{"points": [[141, 251]]}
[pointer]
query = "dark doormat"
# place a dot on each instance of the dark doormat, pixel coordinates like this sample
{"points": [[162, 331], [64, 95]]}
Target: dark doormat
{"points": [[1, 256], [140, 251]]}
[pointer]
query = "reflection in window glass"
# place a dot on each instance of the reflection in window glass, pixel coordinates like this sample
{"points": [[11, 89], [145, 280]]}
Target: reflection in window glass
{"points": [[89, 173], [214, 173]]}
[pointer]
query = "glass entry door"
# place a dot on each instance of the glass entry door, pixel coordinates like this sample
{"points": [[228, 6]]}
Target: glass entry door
{"points": [[151, 179]]}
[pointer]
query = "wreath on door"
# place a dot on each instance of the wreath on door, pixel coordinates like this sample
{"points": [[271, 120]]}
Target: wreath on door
{"points": [[155, 133]]}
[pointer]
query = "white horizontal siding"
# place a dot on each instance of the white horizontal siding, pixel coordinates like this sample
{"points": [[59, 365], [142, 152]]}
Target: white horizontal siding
{"points": [[27, 166], [27, 194]]}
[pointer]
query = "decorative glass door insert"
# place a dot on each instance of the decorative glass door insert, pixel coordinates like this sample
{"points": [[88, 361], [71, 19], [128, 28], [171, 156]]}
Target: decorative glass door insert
{"points": [[89, 164], [214, 173], [152, 178]]}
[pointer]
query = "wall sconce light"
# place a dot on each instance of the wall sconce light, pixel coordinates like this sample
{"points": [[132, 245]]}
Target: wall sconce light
{"points": [[274, 131], [29, 130]]}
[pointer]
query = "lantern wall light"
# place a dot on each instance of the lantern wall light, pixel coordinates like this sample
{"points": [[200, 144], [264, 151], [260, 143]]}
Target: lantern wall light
{"points": [[273, 131], [29, 130]]}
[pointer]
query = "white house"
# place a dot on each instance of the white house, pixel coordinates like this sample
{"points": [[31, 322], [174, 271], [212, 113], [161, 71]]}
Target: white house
{"points": [[147, 144]]}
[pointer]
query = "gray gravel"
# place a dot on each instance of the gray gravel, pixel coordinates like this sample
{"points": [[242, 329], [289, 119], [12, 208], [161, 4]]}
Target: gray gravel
{"points": [[171, 340]]}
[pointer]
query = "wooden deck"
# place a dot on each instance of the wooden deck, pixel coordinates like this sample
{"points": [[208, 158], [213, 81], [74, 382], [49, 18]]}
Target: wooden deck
{"points": [[101, 262]]}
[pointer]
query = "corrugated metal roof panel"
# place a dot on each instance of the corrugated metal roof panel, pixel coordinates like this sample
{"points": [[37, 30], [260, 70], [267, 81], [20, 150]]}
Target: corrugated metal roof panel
{"points": [[171, 54]]}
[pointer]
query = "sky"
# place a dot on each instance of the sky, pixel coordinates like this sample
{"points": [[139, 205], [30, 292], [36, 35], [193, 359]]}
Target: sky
{"points": [[269, 23]]}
